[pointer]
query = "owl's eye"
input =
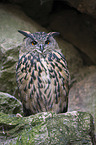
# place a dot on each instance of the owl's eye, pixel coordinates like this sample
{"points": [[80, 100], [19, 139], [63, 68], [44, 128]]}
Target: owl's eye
{"points": [[33, 42], [47, 42]]}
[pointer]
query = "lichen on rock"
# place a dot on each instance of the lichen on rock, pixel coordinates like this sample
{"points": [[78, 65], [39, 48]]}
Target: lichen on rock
{"points": [[47, 128]]}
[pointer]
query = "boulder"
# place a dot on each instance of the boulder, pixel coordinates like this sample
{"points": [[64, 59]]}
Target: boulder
{"points": [[14, 1], [47, 128], [82, 95], [39, 10], [77, 29], [9, 104], [88, 7]]}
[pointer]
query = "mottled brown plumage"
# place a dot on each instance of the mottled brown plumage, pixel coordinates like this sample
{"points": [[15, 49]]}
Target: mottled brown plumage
{"points": [[42, 74]]}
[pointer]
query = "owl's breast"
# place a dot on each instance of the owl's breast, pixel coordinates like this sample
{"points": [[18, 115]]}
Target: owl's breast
{"points": [[42, 80], [45, 72]]}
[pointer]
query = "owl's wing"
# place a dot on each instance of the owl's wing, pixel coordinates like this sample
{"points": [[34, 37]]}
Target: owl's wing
{"points": [[59, 75]]}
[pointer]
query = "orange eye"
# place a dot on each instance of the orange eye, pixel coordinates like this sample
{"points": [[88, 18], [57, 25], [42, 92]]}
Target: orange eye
{"points": [[47, 42], [33, 42]]}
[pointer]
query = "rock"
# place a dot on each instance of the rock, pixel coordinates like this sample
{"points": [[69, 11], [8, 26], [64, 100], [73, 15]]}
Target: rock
{"points": [[88, 7], [16, 1], [77, 29], [9, 104], [38, 10], [11, 40], [48, 128], [82, 96]]}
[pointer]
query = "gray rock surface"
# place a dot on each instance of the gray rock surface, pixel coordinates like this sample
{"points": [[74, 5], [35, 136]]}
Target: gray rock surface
{"points": [[9, 104], [82, 96], [77, 29], [48, 129], [88, 7], [39, 10]]}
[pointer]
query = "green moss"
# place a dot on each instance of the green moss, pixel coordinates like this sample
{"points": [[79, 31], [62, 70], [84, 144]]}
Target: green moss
{"points": [[9, 104], [48, 128]]}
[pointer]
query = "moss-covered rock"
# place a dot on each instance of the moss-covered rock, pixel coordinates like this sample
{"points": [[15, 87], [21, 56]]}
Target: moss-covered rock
{"points": [[47, 128], [9, 104]]}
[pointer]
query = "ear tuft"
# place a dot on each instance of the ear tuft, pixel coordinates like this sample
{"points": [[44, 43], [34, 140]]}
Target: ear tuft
{"points": [[54, 33], [25, 33]]}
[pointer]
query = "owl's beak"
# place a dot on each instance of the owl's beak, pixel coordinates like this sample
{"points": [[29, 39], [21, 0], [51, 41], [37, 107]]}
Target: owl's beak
{"points": [[41, 47]]}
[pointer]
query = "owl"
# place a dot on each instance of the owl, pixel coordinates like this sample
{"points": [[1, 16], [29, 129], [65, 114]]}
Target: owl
{"points": [[42, 75]]}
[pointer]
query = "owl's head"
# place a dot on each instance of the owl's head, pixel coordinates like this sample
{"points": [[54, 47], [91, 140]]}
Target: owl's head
{"points": [[39, 42]]}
